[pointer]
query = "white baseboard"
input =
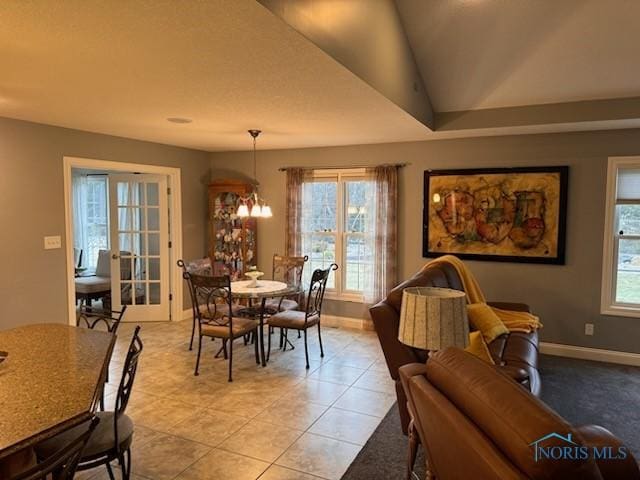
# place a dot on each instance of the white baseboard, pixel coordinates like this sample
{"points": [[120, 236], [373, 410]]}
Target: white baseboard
{"points": [[346, 322], [585, 353]]}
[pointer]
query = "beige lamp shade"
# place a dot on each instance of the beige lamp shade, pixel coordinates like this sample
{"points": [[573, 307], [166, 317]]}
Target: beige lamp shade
{"points": [[433, 318]]}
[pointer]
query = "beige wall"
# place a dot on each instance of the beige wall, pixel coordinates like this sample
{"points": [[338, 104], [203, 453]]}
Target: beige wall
{"points": [[33, 284], [565, 296]]}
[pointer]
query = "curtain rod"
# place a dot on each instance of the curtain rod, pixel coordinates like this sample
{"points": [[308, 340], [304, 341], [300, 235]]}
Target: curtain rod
{"points": [[333, 167]]}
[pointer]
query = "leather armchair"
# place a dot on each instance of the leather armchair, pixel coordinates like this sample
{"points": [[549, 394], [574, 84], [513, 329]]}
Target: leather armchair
{"points": [[476, 423], [515, 354]]}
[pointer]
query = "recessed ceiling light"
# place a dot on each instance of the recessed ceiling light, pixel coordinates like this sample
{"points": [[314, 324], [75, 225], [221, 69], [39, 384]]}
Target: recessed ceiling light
{"points": [[179, 120]]}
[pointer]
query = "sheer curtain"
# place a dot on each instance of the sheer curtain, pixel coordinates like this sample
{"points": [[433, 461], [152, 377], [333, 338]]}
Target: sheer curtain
{"points": [[382, 232], [90, 211], [293, 231], [80, 240]]}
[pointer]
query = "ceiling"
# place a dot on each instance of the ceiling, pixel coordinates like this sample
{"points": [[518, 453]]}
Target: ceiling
{"points": [[228, 65], [488, 67], [478, 54]]}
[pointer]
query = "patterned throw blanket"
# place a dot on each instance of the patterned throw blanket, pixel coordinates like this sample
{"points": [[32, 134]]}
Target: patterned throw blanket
{"points": [[513, 320]]}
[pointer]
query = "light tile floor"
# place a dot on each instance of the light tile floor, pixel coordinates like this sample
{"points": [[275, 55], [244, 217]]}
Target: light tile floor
{"points": [[281, 422]]}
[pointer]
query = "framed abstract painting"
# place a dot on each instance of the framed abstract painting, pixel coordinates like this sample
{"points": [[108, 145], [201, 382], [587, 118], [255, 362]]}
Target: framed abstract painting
{"points": [[498, 214]]}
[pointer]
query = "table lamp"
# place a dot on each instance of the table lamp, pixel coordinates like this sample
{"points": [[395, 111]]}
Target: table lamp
{"points": [[433, 318]]}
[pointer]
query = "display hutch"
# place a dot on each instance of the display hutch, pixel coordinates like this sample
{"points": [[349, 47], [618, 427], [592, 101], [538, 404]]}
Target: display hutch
{"points": [[233, 246]]}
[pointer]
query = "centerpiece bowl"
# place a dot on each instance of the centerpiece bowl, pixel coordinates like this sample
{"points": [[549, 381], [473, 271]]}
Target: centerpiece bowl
{"points": [[254, 275]]}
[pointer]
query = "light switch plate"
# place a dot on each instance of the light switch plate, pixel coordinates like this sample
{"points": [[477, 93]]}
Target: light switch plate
{"points": [[52, 242]]}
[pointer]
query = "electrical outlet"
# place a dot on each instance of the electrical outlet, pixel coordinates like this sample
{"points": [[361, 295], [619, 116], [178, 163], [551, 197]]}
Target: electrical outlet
{"points": [[588, 328], [52, 242]]}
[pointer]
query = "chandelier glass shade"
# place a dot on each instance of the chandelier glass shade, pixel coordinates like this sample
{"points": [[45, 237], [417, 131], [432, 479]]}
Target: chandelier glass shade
{"points": [[253, 205]]}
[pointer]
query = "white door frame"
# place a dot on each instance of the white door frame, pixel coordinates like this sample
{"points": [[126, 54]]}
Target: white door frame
{"points": [[175, 222]]}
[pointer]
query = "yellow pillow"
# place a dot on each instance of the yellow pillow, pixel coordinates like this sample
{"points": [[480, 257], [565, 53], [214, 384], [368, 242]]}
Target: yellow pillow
{"points": [[482, 318], [478, 348]]}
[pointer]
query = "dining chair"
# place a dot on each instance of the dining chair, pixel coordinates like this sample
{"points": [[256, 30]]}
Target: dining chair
{"points": [[216, 318], [287, 270], [92, 318], [63, 462], [201, 266], [113, 435], [77, 257], [303, 320]]}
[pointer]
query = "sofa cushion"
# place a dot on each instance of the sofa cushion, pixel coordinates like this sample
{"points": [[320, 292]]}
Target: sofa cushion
{"points": [[441, 275], [94, 284]]}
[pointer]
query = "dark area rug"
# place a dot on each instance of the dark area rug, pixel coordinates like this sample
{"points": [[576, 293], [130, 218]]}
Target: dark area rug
{"points": [[581, 391], [604, 394]]}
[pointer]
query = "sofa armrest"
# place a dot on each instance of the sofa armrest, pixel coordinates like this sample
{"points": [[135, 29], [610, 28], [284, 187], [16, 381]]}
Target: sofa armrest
{"points": [[411, 370], [518, 374], [596, 436], [516, 307], [407, 372]]}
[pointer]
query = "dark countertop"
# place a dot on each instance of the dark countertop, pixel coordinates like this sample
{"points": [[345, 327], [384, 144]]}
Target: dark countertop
{"points": [[50, 380]]}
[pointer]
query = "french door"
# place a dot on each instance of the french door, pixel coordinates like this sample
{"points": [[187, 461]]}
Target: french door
{"points": [[139, 230]]}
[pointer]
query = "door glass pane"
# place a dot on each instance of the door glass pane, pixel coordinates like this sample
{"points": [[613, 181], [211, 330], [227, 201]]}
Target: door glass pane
{"points": [[140, 271], [125, 267], [154, 293], [123, 193], [130, 193], [139, 198], [138, 245], [140, 294], [628, 276], [124, 219], [154, 269], [124, 242], [359, 261], [125, 294], [153, 215], [153, 243], [130, 219], [152, 194]]}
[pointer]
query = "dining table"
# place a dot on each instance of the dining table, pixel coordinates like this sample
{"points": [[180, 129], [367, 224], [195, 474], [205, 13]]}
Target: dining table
{"points": [[50, 380], [256, 294]]}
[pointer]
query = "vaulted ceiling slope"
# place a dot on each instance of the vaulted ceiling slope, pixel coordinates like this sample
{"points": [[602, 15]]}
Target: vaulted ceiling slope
{"points": [[122, 68], [526, 62], [320, 72]]}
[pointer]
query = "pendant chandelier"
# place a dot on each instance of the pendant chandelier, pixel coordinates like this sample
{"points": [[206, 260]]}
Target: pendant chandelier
{"points": [[253, 200]]}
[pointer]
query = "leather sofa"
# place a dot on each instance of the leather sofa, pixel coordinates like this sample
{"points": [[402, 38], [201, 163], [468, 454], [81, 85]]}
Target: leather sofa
{"points": [[476, 423], [515, 354]]}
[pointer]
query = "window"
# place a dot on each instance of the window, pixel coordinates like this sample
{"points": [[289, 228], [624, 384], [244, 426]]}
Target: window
{"points": [[336, 227], [621, 265], [90, 217]]}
